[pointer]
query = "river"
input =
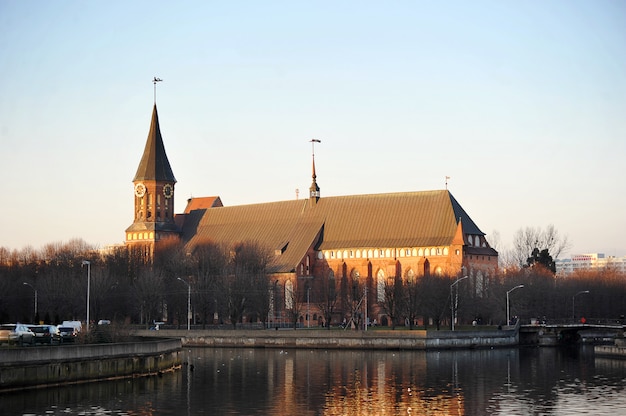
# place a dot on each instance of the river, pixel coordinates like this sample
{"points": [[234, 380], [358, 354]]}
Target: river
{"points": [[511, 381]]}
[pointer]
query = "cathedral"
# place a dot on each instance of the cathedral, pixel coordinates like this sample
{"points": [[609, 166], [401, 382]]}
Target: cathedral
{"points": [[371, 238]]}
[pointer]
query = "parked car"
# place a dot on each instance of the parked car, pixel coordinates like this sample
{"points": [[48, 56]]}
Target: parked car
{"points": [[45, 334], [16, 334], [67, 333]]}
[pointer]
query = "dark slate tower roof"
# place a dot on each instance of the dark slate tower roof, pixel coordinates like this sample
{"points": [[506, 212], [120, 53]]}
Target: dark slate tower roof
{"points": [[154, 164]]}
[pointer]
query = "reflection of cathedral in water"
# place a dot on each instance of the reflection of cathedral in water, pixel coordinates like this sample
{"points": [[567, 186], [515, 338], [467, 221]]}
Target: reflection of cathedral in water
{"points": [[355, 382]]}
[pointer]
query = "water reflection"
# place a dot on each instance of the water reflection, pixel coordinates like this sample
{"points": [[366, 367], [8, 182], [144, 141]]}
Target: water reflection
{"points": [[305, 382]]}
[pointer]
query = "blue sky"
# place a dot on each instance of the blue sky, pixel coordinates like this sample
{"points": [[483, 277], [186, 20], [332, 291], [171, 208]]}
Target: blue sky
{"points": [[521, 104]]}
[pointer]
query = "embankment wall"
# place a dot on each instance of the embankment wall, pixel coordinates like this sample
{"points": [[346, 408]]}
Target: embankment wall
{"points": [[316, 339], [59, 365]]}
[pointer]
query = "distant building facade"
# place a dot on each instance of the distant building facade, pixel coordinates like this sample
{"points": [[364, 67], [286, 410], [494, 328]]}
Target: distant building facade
{"points": [[592, 261], [358, 240]]}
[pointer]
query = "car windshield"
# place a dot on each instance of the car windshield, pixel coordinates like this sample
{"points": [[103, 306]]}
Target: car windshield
{"points": [[40, 329]]}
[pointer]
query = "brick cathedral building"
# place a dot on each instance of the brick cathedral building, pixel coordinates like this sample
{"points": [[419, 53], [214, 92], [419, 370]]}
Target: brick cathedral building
{"points": [[370, 239]]}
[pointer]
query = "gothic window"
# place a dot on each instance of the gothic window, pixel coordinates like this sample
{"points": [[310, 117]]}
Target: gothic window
{"points": [[380, 286], [289, 295]]}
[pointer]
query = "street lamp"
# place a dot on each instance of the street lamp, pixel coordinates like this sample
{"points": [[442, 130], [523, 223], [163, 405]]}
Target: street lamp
{"points": [[188, 302], [508, 311], [573, 302], [308, 298], [88, 264], [453, 304], [28, 284]]}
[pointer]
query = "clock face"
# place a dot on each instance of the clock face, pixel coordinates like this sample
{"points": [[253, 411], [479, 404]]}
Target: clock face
{"points": [[140, 190], [168, 191]]}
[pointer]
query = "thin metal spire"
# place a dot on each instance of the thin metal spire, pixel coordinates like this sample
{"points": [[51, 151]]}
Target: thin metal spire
{"points": [[314, 190], [154, 81], [313, 141]]}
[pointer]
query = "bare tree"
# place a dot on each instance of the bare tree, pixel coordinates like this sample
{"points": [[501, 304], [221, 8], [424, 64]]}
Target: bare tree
{"points": [[248, 280], [528, 239], [394, 304], [326, 293]]}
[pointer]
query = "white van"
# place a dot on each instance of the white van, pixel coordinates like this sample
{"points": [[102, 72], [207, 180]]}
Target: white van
{"points": [[77, 325]]}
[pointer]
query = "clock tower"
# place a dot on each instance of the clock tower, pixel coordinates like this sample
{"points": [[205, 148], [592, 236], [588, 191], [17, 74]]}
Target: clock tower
{"points": [[153, 193]]}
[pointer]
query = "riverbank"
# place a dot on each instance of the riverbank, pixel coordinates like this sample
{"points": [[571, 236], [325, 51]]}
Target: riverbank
{"points": [[32, 367], [612, 351], [334, 339]]}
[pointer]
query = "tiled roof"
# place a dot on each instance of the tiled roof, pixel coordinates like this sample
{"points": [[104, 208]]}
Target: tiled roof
{"points": [[154, 164], [409, 219]]}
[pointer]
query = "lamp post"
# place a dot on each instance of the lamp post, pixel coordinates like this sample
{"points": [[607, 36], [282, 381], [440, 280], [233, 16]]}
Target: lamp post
{"points": [[365, 308], [453, 303], [574, 300], [88, 264], [35, 290], [508, 310], [308, 317], [188, 303]]}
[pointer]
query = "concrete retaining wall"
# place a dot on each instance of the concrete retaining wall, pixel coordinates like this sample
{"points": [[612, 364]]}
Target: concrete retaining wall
{"points": [[610, 351], [316, 339], [55, 365]]}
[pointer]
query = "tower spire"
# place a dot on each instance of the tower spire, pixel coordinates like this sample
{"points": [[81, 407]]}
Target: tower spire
{"points": [[314, 190]]}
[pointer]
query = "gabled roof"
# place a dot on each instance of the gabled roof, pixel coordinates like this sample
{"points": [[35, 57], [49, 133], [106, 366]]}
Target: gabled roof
{"points": [[203, 203], [409, 219], [154, 164]]}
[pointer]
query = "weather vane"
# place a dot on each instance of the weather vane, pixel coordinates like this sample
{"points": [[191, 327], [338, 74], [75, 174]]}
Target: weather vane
{"points": [[154, 81]]}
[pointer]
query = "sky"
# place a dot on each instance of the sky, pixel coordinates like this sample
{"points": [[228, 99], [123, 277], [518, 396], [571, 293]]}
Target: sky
{"points": [[521, 104]]}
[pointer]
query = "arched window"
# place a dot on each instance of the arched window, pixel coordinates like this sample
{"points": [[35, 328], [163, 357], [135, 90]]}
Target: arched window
{"points": [[380, 286], [289, 294]]}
